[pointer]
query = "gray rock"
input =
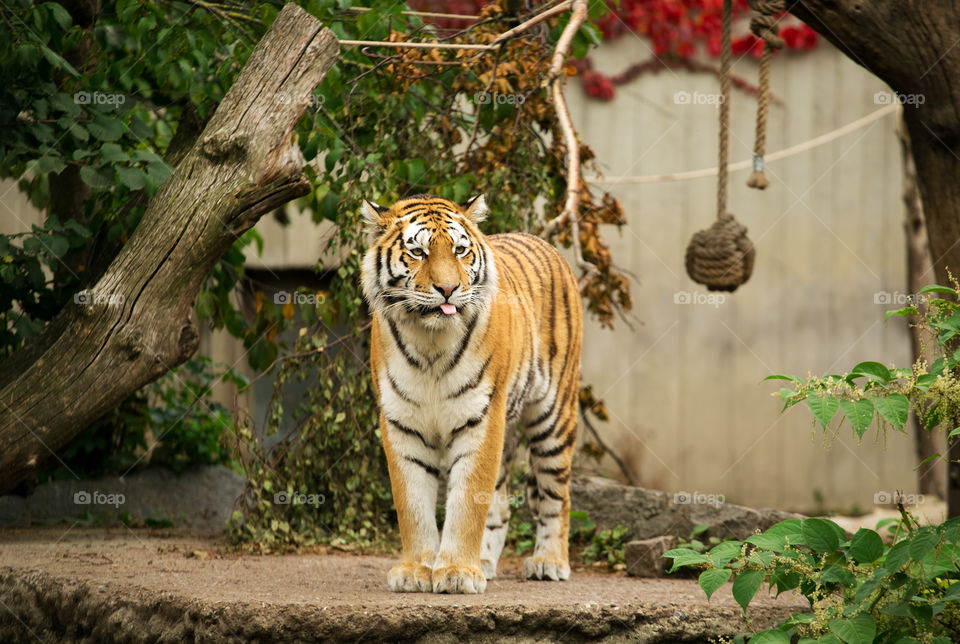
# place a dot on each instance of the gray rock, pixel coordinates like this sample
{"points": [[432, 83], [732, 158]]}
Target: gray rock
{"points": [[200, 498], [650, 513], [645, 558]]}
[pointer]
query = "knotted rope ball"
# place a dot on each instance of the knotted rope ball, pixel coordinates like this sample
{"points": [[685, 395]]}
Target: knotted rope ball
{"points": [[721, 257]]}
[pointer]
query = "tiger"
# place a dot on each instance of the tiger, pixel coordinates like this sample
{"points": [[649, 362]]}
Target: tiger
{"points": [[470, 334]]}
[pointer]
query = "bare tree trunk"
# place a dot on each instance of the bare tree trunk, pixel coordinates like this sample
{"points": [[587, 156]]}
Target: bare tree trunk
{"points": [[932, 476], [139, 322], [912, 46]]}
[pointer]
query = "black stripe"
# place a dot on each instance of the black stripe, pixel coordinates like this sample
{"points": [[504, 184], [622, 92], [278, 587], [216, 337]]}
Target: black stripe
{"points": [[545, 415], [520, 266], [494, 527], [473, 382], [396, 389], [411, 432], [429, 468], [459, 456], [553, 495], [552, 470], [502, 479], [396, 338], [549, 515], [473, 422], [463, 345], [545, 434], [571, 437]]}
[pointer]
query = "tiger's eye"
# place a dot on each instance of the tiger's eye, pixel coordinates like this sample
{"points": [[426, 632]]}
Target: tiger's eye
{"points": [[416, 252]]}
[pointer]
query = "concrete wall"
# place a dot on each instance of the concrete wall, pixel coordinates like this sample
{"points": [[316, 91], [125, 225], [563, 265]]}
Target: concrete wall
{"points": [[688, 410]]}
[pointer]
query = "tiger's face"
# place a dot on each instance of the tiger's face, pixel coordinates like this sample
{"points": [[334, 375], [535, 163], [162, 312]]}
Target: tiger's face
{"points": [[429, 263]]}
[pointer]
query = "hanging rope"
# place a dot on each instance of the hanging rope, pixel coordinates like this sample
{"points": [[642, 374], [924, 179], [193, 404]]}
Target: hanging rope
{"points": [[721, 257], [764, 26]]}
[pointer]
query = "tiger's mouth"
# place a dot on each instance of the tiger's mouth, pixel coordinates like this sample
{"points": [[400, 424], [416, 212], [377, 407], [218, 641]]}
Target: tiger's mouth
{"points": [[443, 310]]}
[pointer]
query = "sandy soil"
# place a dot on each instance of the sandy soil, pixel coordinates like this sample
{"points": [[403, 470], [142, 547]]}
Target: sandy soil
{"points": [[117, 584]]}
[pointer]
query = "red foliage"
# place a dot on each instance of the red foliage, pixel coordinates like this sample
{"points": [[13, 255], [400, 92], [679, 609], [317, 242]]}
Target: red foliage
{"points": [[676, 29]]}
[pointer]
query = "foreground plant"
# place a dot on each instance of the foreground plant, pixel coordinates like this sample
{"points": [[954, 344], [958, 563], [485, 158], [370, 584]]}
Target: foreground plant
{"points": [[861, 590]]}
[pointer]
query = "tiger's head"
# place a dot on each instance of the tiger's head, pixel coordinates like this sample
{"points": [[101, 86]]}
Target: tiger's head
{"points": [[429, 263]]}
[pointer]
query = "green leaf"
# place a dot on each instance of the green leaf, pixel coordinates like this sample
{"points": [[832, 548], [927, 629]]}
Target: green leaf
{"points": [[953, 433], [722, 553], [58, 246], [50, 164], [857, 630], [834, 574], [823, 408], [866, 546], [61, 15], [97, 176], [904, 312], [820, 535], [714, 578], [859, 413], [871, 369], [105, 129], [773, 542], [894, 408], [897, 556], [685, 557], [936, 288], [111, 152], [781, 376], [133, 178], [745, 586], [923, 542]]}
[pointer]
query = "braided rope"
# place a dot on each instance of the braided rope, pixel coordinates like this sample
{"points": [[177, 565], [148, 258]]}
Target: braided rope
{"points": [[723, 148], [764, 26]]}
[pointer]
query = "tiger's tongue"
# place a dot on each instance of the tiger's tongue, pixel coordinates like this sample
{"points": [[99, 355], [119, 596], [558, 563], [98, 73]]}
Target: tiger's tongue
{"points": [[448, 309]]}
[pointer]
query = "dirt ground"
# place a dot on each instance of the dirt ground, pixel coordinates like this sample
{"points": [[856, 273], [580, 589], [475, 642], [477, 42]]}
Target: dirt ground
{"points": [[118, 584]]}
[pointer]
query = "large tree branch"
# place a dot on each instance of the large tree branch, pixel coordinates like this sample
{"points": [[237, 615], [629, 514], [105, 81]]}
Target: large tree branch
{"points": [[137, 322]]}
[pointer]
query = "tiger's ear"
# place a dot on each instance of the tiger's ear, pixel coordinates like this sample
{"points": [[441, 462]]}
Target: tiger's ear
{"points": [[475, 208], [376, 216]]}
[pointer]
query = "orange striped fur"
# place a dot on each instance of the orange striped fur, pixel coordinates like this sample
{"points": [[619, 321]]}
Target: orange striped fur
{"points": [[471, 335]]}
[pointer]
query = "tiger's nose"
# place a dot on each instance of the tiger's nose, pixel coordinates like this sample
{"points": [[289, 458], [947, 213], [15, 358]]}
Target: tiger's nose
{"points": [[446, 291]]}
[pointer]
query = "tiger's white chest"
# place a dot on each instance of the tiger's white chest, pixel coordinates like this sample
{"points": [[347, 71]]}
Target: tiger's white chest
{"points": [[433, 400]]}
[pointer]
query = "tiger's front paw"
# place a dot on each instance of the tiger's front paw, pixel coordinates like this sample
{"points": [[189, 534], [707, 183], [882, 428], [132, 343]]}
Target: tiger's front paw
{"points": [[546, 568], [458, 579], [410, 577]]}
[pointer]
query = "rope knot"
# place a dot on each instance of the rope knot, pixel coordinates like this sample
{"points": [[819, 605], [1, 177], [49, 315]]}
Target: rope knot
{"points": [[721, 257]]}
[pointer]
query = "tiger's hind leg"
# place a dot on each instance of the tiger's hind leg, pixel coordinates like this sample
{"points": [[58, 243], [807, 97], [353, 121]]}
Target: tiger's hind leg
{"points": [[498, 517], [551, 437]]}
